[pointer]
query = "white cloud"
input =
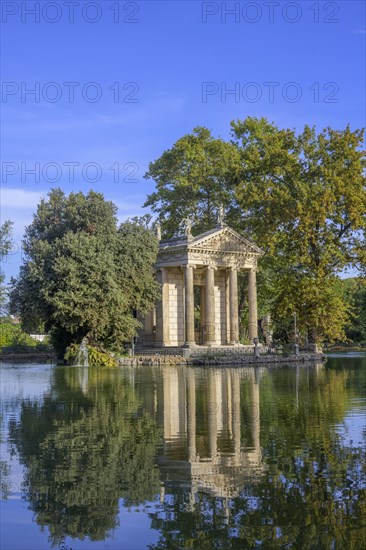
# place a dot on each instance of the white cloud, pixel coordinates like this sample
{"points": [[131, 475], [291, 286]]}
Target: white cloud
{"points": [[141, 115], [20, 198], [130, 206]]}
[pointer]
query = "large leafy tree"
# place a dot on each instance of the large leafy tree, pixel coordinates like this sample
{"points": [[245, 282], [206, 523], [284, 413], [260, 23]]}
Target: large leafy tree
{"points": [[80, 275], [5, 247], [304, 199], [354, 289], [192, 179], [300, 196]]}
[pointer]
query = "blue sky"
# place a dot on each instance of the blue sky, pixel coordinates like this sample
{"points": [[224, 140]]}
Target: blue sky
{"points": [[117, 83]]}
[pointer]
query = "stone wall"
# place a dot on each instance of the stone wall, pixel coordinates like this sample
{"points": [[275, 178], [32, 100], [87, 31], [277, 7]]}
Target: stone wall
{"points": [[222, 360]]}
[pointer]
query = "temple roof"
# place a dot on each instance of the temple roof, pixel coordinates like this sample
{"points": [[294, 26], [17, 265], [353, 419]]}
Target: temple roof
{"points": [[221, 246], [228, 232]]}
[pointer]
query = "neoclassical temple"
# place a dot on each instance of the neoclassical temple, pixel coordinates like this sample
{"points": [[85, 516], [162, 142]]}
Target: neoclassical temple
{"points": [[199, 289]]}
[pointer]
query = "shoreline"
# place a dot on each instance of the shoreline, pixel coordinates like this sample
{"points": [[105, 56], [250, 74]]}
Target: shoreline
{"points": [[226, 360], [218, 360], [30, 356]]}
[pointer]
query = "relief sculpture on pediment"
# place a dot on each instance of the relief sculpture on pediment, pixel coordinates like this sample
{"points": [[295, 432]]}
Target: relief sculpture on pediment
{"points": [[224, 242]]}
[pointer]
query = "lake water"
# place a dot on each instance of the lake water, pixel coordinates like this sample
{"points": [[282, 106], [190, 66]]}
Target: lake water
{"points": [[173, 458]]}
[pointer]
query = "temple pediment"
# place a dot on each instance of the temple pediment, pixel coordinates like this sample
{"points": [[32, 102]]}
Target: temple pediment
{"points": [[224, 240], [221, 247]]}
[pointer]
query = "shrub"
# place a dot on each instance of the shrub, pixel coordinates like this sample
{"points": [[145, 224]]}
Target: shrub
{"points": [[12, 335], [96, 357], [14, 340], [99, 358]]}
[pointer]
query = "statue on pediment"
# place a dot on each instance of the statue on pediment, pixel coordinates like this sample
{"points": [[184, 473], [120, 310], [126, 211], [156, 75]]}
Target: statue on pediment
{"points": [[158, 231], [187, 227], [221, 216]]}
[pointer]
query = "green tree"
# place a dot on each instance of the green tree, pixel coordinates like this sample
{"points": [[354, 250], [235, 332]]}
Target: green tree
{"points": [[192, 179], [82, 275], [354, 290], [5, 238], [12, 335], [136, 252], [6, 243], [304, 197]]}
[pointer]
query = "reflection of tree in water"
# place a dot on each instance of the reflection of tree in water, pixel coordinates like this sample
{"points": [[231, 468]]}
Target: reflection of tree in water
{"points": [[85, 451], [5, 484], [312, 495], [89, 443]]}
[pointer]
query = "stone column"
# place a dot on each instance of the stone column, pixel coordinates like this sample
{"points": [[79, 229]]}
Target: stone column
{"points": [[162, 310], [154, 317], [227, 306], [148, 323], [252, 298], [234, 306], [203, 313], [189, 305], [210, 306]]}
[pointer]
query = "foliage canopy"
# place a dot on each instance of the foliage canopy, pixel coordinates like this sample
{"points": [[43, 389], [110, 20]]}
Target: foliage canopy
{"points": [[6, 243], [82, 274]]}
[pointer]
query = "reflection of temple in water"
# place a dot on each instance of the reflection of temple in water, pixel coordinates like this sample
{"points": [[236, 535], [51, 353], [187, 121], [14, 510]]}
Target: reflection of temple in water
{"points": [[211, 422]]}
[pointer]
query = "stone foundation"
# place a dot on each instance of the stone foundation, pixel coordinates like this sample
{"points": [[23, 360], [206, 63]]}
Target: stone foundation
{"points": [[228, 360]]}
